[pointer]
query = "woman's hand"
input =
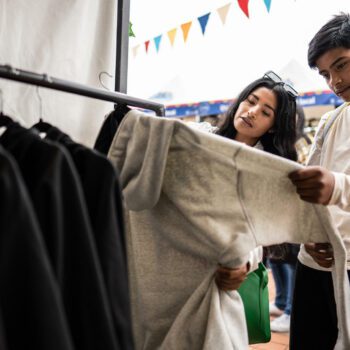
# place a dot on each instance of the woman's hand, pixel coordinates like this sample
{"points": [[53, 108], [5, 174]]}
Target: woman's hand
{"points": [[230, 279]]}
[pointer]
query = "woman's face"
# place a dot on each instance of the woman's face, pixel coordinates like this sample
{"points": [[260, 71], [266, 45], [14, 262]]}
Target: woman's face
{"points": [[255, 116]]}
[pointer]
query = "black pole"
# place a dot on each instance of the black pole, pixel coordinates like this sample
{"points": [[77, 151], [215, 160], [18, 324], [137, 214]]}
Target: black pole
{"points": [[8, 72], [122, 47]]}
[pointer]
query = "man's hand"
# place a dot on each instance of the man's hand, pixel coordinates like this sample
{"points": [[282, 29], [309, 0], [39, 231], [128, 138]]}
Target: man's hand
{"points": [[322, 253], [230, 279], [314, 184]]}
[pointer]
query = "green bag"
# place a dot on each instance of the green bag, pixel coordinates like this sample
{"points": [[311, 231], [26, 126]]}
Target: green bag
{"points": [[255, 297]]}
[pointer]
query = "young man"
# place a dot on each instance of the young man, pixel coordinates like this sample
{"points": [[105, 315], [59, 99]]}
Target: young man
{"points": [[325, 181]]}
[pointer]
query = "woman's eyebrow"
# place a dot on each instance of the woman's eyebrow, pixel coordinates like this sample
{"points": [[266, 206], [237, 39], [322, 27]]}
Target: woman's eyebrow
{"points": [[265, 104]]}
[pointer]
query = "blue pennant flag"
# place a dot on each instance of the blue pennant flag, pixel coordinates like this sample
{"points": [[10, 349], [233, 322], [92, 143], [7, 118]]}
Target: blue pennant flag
{"points": [[157, 40], [203, 20], [267, 4]]}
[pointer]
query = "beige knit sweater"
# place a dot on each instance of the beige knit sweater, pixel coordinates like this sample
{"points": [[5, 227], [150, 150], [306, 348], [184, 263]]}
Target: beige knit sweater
{"points": [[194, 200]]}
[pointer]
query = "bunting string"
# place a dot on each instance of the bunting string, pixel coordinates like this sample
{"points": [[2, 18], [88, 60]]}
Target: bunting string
{"points": [[203, 21]]}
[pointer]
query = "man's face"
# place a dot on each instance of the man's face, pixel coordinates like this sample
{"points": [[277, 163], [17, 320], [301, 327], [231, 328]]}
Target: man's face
{"points": [[334, 66]]}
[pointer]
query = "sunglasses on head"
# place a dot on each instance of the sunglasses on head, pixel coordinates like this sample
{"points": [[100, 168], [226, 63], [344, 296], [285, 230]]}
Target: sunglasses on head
{"points": [[276, 79]]}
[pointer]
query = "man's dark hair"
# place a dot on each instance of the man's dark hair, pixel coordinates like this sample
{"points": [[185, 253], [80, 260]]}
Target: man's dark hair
{"points": [[335, 33]]}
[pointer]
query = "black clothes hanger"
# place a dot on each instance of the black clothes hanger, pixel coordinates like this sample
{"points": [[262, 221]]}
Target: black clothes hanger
{"points": [[42, 126]]}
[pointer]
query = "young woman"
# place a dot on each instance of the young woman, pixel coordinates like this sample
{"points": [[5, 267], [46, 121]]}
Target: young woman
{"points": [[263, 116]]}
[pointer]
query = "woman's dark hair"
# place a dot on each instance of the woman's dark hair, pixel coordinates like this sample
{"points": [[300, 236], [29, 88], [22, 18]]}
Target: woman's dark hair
{"points": [[282, 140], [300, 124], [335, 33]]}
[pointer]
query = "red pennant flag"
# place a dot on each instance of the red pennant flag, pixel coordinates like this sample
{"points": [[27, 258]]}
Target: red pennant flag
{"points": [[243, 4], [146, 45]]}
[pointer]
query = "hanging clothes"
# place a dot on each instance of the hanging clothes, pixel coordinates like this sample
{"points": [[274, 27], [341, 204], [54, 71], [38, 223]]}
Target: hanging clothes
{"points": [[109, 128], [3, 342], [31, 308], [194, 200], [103, 198], [58, 200]]}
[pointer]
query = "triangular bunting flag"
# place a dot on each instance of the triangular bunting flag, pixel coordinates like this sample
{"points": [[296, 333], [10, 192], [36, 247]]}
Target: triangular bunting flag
{"points": [[146, 45], [185, 29], [222, 11], [267, 4], [131, 32], [135, 49], [157, 40], [243, 4], [203, 21], [171, 35]]}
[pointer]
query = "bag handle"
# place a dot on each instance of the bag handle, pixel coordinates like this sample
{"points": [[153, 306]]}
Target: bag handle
{"points": [[264, 275]]}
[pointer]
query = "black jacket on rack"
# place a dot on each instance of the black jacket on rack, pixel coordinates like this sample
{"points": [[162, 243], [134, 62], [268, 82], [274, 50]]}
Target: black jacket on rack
{"points": [[103, 198], [31, 310], [59, 203], [109, 128]]}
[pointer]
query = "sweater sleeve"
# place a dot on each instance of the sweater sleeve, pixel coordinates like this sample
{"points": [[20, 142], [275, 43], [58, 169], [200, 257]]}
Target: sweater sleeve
{"points": [[341, 191], [255, 257], [202, 126]]}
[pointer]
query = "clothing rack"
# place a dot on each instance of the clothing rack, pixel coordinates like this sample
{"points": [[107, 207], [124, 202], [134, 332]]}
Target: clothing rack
{"points": [[8, 72]]}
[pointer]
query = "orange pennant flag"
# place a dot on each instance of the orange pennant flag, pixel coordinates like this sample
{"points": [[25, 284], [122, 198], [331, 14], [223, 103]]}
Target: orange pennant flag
{"points": [[171, 35], [222, 11], [243, 4], [146, 45], [185, 29]]}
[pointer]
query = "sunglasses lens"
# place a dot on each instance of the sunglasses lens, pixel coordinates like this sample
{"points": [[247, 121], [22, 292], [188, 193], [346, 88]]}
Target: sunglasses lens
{"points": [[290, 90], [273, 76], [276, 79]]}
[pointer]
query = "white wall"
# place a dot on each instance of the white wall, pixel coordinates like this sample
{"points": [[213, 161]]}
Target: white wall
{"points": [[67, 39]]}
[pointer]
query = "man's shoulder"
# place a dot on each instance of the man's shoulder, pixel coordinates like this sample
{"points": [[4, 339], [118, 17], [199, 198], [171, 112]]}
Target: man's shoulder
{"points": [[328, 119], [342, 108]]}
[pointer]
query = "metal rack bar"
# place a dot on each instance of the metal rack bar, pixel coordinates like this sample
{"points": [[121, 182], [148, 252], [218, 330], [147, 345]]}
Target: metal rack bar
{"points": [[8, 72]]}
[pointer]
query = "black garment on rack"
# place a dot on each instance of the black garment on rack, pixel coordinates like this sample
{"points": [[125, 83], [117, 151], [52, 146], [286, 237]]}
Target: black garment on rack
{"points": [[103, 198], [59, 203], [3, 342], [109, 128], [32, 315]]}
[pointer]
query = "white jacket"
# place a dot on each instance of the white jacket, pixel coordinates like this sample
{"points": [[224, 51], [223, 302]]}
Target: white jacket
{"points": [[331, 149], [194, 200]]}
